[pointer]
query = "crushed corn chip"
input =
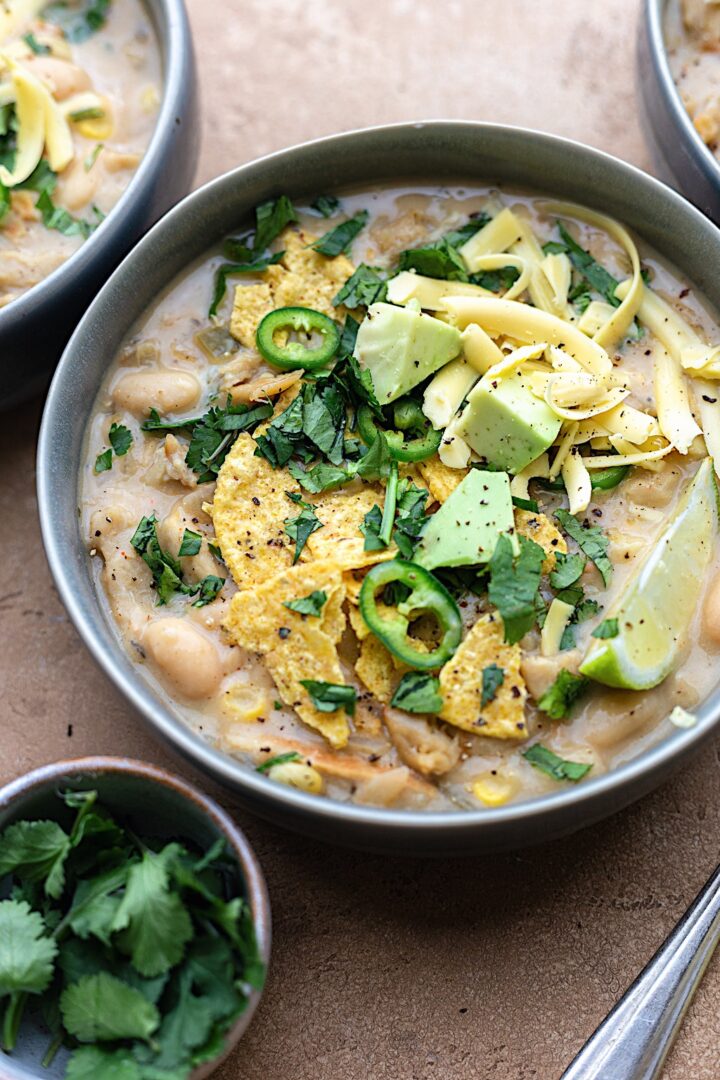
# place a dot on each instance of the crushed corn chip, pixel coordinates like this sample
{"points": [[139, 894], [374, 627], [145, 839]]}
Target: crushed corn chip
{"points": [[439, 478], [461, 684], [294, 646], [302, 278], [342, 513], [248, 512], [376, 670], [539, 528]]}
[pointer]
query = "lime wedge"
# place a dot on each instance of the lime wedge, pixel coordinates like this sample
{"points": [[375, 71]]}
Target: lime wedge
{"points": [[655, 609]]}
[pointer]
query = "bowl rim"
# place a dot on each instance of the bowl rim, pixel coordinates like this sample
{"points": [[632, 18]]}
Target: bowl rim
{"points": [[14, 792], [658, 50], [608, 787], [172, 33]]}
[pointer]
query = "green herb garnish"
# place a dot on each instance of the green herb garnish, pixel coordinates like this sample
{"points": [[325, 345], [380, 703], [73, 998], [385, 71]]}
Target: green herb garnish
{"points": [[300, 528], [166, 571], [526, 504], [568, 569], [37, 47], [418, 692], [339, 240], [364, 287], [608, 628], [80, 21], [514, 584], [120, 439], [312, 604], [326, 205], [190, 544], [548, 762], [279, 759], [492, 679], [590, 539], [329, 697], [559, 698]]}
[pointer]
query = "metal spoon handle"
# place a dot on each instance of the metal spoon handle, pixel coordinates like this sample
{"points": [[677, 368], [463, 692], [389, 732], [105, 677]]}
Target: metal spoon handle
{"points": [[634, 1039]]}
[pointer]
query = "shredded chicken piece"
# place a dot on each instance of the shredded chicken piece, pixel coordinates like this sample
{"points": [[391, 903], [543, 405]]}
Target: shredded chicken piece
{"points": [[421, 744], [175, 466]]}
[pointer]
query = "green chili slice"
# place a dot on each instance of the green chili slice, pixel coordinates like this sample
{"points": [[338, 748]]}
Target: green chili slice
{"points": [[427, 595], [409, 419], [600, 479], [297, 354]]}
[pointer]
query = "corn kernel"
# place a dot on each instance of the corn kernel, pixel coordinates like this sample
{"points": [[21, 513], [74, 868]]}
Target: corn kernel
{"points": [[97, 127], [298, 774], [493, 790], [245, 704], [150, 99]]}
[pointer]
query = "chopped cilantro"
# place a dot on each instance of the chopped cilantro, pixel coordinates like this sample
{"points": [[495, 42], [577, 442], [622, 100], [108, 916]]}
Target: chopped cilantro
{"points": [[271, 217], [326, 205], [591, 540], [568, 569], [80, 21], [597, 276], [301, 527], [559, 698], [370, 528], [608, 628], [496, 280], [26, 952], [120, 439], [514, 584], [190, 544], [558, 768], [226, 270], [321, 477], [436, 260], [366, 286], [209, 588], [418, 692], [32, 42], [312, 604], [103, 461], [526, 504], [166, 571], [410, 517], [329, 697], [279, 759], [492, 679], [339, 239]]}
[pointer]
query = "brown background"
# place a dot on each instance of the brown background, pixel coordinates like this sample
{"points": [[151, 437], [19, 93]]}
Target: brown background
{"points": [[495, 967]]}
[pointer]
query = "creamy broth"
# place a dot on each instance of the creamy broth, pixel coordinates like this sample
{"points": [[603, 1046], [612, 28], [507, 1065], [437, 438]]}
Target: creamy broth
{"points": [[225, 691], [692, 35], [114, 78]]}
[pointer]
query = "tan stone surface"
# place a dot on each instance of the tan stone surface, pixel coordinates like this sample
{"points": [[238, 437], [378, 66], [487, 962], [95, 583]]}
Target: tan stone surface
{"points": [[496, 967]]}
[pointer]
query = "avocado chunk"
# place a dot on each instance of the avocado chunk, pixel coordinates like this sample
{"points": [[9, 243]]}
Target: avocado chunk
{"points": [[465, 529], [505, 423], [400, 347]]}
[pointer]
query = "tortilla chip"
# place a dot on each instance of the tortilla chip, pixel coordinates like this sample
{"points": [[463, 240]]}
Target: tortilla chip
{"points": [[296, 646], [376, 670], [301, 278], [461, 684], [248, 512], [540, 528], [439, 478], [342, 513]]}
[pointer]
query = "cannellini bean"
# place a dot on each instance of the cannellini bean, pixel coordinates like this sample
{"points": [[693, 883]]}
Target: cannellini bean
{"points": [[298, 774], [185, 657], [77, 185], [651, 488], [60, 76], [187, 513], [167, 390], [711, 611]]}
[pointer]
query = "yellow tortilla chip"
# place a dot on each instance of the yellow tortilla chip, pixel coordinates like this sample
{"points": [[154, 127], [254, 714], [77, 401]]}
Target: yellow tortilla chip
{"points": [[294, 646], [301, 278], [461, 684], [439, 478], [376, 670], [248, 511], [361, 628], [342, 513], [540, 528]]}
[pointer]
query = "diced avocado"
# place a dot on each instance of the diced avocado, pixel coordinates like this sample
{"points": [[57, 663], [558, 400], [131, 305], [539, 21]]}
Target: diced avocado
{"points": [[400, 347], [465, 529], [505, 423]]}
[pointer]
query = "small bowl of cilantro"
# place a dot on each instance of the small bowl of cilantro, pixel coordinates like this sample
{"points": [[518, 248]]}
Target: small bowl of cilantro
{"points": [[134, 925]]}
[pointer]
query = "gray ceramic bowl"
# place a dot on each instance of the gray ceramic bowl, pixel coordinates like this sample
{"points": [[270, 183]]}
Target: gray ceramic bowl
{"points": [[151, 799], [678, 148], [443, 151], [34, 329]]}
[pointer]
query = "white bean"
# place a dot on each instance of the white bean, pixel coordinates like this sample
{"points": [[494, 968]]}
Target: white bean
{"points": [[711, 611], [77, 185], [60, 76], [185, 657], [168, 390]]}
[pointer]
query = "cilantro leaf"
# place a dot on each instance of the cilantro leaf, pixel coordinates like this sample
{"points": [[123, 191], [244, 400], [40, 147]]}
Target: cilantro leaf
{"points": [[26, 954], [92, 1062], [32, 42], [36, 850], [301, 527], [166, 571], [312, 604], [436, 260], [120, 438], [326, 205], [190, 544], [103, 461], [329, 697], [209, 588], [411, 517], [496, 280], [101, 1008], [155, 923], [558, 768], [599, 278], [591, 540], [339, 239], [370, 528], [418, 692], [55, 217], [271, 217], [377, 461], [526, 504], [492, 679], [95, 903], [608, 628], [568, 569], [366, 286], [514, 584], [321, 477], [559, 698], [279, 759]]}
